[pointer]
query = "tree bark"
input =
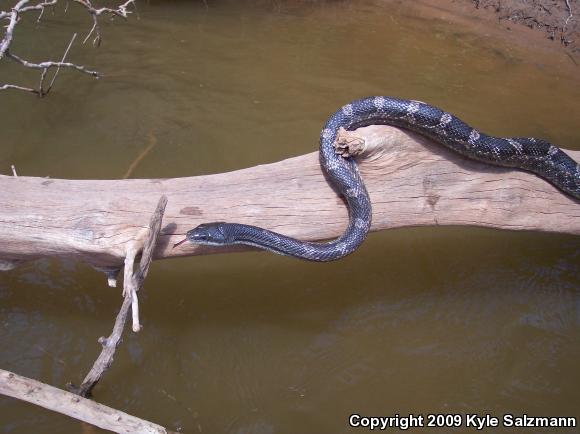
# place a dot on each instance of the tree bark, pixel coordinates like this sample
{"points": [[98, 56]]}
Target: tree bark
{"points": [[411, 181]]}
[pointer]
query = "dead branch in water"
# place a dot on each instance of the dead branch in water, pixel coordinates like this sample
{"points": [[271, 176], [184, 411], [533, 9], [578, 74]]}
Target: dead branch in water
{"points": [[131, 284], [411, 181], [15, 14], [80, 408], [51, 398]]}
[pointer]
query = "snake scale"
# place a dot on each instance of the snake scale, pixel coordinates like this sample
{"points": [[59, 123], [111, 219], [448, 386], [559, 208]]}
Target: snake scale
{"points": [[534, 155]]}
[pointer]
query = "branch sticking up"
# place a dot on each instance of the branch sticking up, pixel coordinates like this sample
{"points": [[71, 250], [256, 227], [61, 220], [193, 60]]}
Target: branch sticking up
{"points": [[133, 280]]}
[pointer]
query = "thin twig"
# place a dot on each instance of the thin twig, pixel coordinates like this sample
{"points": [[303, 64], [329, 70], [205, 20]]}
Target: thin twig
{"points": [[58, 67], [569, 14], [105, 358], [120, 11], [136, 279], [129, 283], [13, 17], [50, 64], [16, 87]]}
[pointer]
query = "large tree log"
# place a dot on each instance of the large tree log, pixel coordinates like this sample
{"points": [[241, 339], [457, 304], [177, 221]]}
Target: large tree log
{"points": [[412, 182]]}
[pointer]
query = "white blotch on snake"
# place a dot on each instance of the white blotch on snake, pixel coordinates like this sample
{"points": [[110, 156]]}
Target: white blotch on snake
{"points": [[445, 119], [360, 224], [412, 108], [352, 192], [333, 165], [473, 136], [347, 110], [517, 146]]}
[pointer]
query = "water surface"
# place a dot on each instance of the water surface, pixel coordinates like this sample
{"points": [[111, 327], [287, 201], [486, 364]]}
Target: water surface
{"points": [[446, 320]]}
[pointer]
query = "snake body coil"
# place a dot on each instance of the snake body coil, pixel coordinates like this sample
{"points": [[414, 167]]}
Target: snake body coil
{"points": [[534, 155]]}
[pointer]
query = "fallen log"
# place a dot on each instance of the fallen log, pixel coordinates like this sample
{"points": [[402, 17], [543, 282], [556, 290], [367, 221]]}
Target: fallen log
{"points": [[51, 398], [411, 180]]}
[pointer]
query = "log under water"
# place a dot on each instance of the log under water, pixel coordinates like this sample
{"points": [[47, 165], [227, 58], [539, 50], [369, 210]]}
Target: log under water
{"points": [[411, 180]]}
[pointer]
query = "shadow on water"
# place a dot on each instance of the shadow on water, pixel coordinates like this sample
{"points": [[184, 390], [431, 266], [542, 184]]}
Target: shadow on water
{"points": [[418, 320]]}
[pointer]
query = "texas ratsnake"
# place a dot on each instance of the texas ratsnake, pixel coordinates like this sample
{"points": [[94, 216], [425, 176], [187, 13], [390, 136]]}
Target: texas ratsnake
{"points": [[534, 155]]}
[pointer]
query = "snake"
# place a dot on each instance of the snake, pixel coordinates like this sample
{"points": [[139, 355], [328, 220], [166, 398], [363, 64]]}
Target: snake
{"points": [[534, 155]]}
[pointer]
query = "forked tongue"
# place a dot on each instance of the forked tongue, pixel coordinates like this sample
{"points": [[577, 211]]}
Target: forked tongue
{"points": [[180, 242]]}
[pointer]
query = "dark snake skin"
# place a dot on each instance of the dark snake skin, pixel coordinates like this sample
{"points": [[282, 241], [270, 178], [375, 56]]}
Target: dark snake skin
{"points": [[534, 155]]}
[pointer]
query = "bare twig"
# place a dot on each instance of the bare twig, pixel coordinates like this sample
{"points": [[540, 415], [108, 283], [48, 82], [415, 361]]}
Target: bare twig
{"points": [[58, 67], [8, 35], [129, 283], [133, 281], [120, 11], [50, 64], [16, 87], [14, 15], [150, 241], [45, 66], [569, 14], [105, 358]]}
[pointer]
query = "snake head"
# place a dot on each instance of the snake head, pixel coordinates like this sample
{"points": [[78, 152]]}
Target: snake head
{"points": [[210, 234]]}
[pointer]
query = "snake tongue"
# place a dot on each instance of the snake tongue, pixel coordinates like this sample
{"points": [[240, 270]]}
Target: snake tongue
{"points": [[180, 242]]}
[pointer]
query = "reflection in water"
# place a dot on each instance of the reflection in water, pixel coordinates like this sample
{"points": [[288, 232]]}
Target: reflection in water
{"points": [[419, 320]]}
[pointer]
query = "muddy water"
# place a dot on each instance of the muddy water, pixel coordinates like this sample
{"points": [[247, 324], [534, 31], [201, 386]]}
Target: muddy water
{"points": [[431, 320]]}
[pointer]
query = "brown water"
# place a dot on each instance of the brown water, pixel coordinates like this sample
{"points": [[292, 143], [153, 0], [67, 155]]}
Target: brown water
{"points": [[431, 320]]}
